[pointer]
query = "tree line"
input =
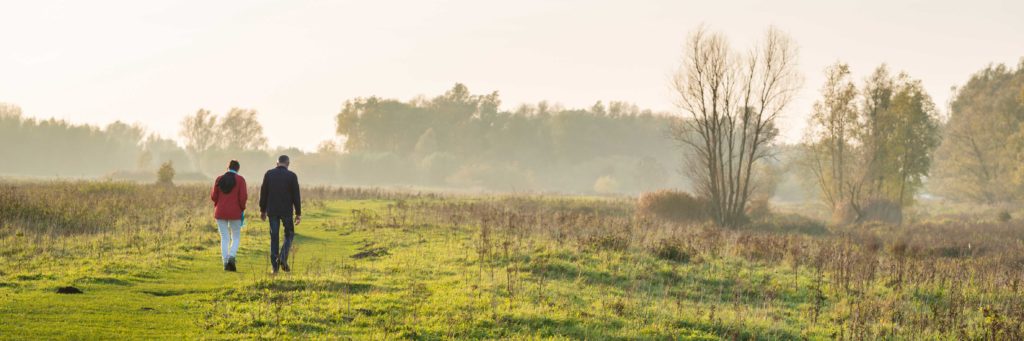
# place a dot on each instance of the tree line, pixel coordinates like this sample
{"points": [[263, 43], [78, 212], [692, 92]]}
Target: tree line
{"points": [[874, 148], [869, 149], [454, 140], [461, 139], [874, 144], [55, 148]]}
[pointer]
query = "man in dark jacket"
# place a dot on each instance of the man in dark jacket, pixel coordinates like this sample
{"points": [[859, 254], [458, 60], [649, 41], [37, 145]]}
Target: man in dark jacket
{"points": [[278, 196]]}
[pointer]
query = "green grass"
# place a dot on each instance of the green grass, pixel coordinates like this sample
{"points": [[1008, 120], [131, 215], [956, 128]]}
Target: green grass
{"points": [[430, 285], [149, 298], [484, 268]]}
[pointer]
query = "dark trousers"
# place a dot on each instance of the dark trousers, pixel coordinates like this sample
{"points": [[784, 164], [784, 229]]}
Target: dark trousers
{"points": [[280, 255]]}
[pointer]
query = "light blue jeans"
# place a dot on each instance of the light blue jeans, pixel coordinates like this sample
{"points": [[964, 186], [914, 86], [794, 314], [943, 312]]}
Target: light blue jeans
{"points": [[230, 232]]}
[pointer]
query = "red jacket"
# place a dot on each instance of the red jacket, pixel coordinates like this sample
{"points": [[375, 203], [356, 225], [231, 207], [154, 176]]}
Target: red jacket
{"points": [[229, 206]]}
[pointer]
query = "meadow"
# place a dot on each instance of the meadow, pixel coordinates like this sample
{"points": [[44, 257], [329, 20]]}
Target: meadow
{"points": [[378, 264]]}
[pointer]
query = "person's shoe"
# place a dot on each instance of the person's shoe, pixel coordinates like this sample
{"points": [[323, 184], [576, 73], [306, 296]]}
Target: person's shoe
{"points": [[227, 267], [284, 266], [231, 265]]}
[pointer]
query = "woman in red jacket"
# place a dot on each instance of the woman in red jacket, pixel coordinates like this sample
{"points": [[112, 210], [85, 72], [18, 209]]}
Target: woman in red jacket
{"points": [[229, 196]]}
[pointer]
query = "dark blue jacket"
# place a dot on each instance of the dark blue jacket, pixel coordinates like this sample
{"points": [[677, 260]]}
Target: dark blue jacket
{"points": [[280, 193]]}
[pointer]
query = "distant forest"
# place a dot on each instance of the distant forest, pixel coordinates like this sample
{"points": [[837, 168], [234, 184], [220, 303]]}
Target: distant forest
{"points": [[462, 140], [55, 148], [454, 140]]}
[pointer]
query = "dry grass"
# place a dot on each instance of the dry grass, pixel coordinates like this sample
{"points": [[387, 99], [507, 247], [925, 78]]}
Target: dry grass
{"points": [[954, 279]]}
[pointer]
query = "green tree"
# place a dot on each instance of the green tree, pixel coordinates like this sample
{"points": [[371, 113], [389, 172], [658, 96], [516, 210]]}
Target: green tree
{"points": [[200, 134], [240, 130], [876, 155], [126, 140], [912, 141], [976, 159], [382, 125], [831, 138]]}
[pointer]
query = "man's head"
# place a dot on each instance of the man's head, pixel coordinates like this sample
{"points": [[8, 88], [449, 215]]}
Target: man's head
{"points": [[234, 165], [283, 161]]}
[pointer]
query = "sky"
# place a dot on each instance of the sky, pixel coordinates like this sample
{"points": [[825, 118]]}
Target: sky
{"points": [[297, 62]]}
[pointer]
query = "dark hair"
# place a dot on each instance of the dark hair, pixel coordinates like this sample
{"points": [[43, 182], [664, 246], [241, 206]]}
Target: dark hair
{"points": [[233, 165], [282, 159], [226, 182]]}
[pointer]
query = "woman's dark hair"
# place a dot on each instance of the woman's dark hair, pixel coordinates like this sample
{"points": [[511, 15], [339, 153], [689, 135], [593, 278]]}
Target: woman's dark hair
{"points": [[227, 181]]}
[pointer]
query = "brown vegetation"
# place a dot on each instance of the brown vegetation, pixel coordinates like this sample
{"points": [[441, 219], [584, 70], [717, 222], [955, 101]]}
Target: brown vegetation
{"points": [[675, 206], [878, 280]]}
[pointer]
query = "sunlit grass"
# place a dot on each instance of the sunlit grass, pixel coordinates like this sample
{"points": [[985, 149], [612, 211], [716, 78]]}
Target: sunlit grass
{"points": [[498, 267]]}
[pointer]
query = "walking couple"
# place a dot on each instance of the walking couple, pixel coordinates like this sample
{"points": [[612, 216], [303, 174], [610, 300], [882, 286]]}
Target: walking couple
{"points": [[279, 200]]}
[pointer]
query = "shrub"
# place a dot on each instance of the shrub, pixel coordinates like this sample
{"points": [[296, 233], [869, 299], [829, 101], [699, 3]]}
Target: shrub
{"points": [[788, 223], [673, 249], [165, 175], [676, 206], [610, 242], [1004, 216]]}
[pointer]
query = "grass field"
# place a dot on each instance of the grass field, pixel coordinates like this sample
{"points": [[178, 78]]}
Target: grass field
{"points": [[378, 265]]}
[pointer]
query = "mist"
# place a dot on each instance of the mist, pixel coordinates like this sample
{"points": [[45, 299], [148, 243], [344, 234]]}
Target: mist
{"points": [[584, 170], [456, 140]]}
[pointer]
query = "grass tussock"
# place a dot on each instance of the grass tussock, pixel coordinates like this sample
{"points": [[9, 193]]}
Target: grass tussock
{"points": [[671, 205]]}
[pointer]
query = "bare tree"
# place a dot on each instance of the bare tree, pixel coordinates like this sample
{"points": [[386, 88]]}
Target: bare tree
{"points": [[200, 133], [733, 100]]}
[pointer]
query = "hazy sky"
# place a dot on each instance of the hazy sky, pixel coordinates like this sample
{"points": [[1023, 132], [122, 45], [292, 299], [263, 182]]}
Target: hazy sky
{"points": [[296, 62]]}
